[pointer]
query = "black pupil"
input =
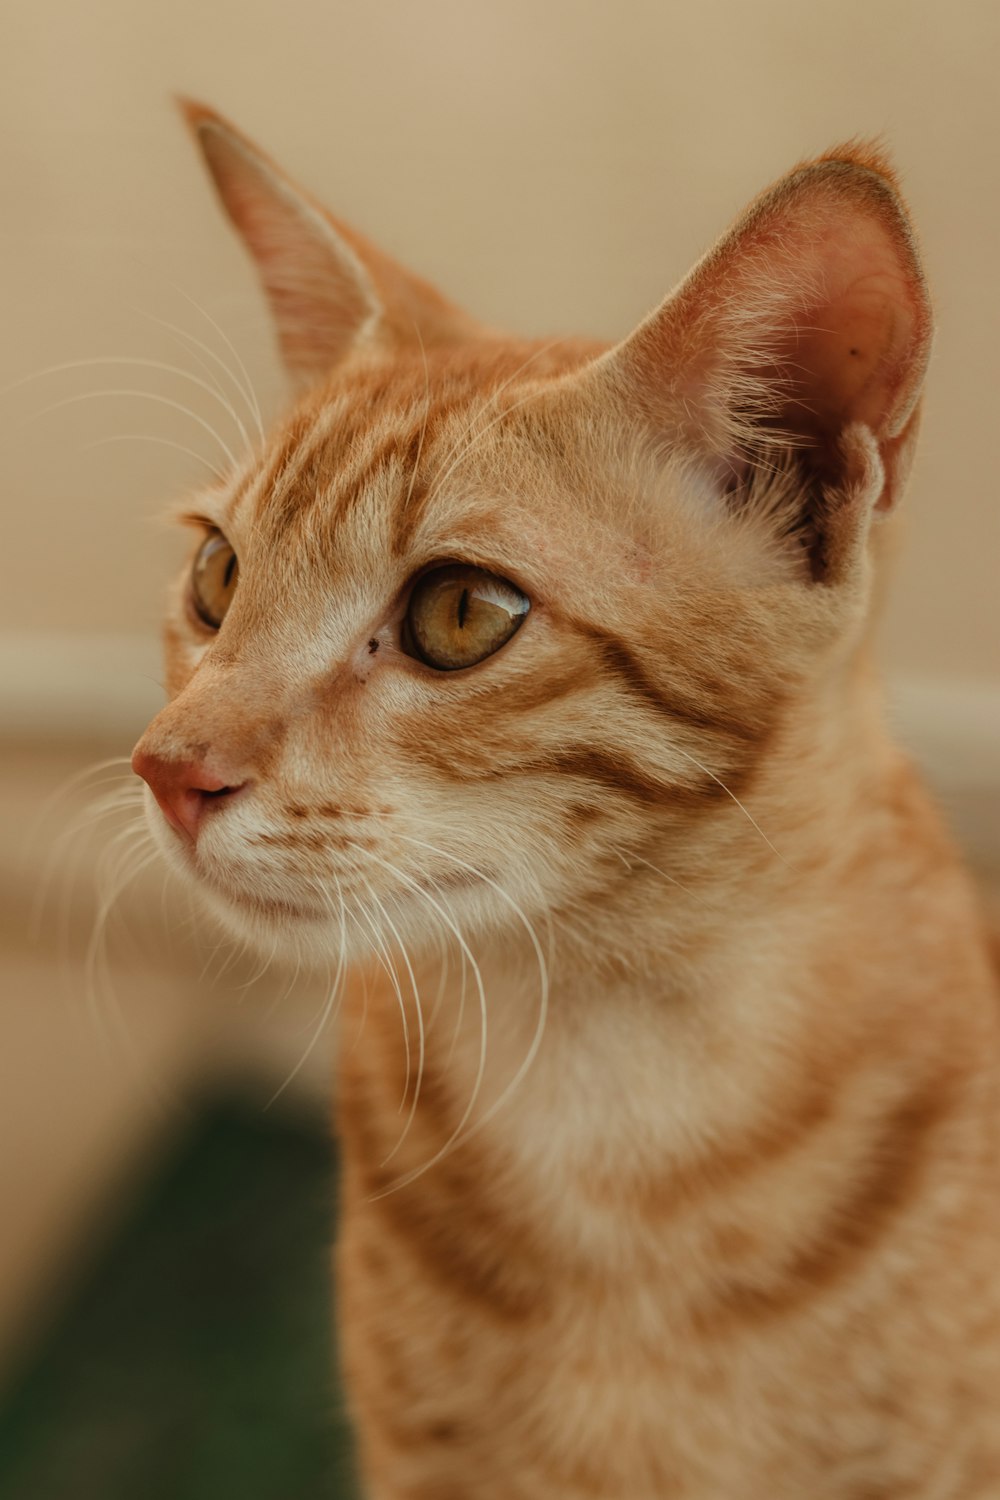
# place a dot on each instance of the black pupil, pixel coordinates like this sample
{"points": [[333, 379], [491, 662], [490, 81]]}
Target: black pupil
{"points": [[227, 577], [463, 607]]}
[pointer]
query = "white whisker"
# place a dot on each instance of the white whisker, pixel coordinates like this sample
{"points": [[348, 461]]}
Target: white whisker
{"points": [[125, 797], [258, 973], [423, 425], [478, 435], [155, 396], [385, 959], [628, 857], [129, 865], [409, 1177], [456, 453], [732, 796], [136, 362], [543, 975], [244, 386], [216, 328], [421, 1039], [149, 437], [333, 996]]}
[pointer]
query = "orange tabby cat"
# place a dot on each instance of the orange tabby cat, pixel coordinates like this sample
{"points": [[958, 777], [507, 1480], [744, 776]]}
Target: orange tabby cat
{"points": [[541, 671]]}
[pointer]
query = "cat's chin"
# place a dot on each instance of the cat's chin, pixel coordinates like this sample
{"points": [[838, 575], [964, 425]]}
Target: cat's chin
{"points": [[273, 925], [240, 907]]}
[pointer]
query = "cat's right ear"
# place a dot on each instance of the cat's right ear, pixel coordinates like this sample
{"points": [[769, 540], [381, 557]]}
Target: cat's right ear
{"points": [[330, 291], [799, 342]]}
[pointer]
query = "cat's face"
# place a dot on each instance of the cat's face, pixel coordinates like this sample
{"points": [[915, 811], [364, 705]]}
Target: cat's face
{"points": [[484, 623], [407, 519]]}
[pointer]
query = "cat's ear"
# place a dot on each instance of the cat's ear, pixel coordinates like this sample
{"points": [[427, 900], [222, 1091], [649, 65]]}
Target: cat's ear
{"points": [[801, 338], [329, 289]]}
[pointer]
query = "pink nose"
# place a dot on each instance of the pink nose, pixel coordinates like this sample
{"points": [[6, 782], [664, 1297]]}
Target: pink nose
{"points": [[184, 789]]}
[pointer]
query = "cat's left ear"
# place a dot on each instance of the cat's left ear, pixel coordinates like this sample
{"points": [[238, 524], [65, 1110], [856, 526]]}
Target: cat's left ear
{"points": [[330, 290], [802, 338]]}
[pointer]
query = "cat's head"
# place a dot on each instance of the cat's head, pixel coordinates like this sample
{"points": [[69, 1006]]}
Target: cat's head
{"points": [[485, 621]]}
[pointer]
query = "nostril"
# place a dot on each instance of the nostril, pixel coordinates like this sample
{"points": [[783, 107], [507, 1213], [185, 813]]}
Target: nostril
{"points": [[184, 789], [209, 794]]}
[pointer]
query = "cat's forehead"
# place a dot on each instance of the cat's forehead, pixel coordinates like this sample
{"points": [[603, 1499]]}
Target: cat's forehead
{"points": [[402, 458]]}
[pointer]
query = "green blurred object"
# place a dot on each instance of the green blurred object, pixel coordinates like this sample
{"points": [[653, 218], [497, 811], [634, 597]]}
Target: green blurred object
{"points": [[195, 1364]]}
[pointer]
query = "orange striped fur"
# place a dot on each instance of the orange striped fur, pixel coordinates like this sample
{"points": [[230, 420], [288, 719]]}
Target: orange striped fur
{"points": [[669, 1092]]}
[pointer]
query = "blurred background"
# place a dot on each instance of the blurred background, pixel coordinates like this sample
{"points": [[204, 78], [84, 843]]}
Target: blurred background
{"points": [[555, 165]]}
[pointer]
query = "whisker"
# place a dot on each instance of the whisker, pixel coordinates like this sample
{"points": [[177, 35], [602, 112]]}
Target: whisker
{"points": [[385, 959], [412, 1176], [227, 341], [364, 1012], [134, 361], [108, 805], [443, 980], [478, 436], [543, 975], [148, 437], [77, 779], [423, 425], [421, 1041], [246, 391], [630, 855], [259, 972], [733, 798], [128, 870], [167, 401], [333, 996]]}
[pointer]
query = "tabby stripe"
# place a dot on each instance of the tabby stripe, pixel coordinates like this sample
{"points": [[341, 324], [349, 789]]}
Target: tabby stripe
{"points": [[613, 770], [477, 1264], [622, 661], [610, 769], [888, 1179], [402, 448], [291, 500], [277, 490], [412, 506], [262, 483]]}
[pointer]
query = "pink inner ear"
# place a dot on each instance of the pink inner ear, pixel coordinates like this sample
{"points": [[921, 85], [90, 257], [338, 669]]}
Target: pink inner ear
{"points": [[809, 315], [847, 361]]}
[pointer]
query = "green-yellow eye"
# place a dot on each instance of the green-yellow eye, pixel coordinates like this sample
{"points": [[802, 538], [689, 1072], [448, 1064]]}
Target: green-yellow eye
{"points": [[213, 579], [459, 615]]}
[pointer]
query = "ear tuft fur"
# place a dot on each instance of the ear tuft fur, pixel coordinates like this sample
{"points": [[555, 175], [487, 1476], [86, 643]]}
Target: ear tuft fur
{"points": [[808, 318]]}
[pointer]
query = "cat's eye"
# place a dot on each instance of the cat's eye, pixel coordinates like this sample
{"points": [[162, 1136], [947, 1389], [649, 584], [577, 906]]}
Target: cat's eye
{"points": [[213, 579], [459, 615]]}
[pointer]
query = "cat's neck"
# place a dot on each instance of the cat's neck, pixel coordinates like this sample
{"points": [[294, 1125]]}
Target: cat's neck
{"points": [[695, 1009]]}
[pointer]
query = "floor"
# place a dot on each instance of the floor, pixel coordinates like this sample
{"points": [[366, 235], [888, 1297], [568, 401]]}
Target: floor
{"points": [[194, 1362]]}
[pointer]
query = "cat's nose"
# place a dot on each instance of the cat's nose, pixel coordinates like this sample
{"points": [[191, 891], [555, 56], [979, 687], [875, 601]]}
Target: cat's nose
{"points": [[185, 789]]}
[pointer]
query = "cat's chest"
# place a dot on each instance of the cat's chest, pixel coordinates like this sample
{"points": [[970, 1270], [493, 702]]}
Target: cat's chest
{"points": [[515, 1385], [637, 1281]]}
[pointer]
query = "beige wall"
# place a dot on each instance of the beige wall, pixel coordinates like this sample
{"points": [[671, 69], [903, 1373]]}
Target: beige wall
{"points": [[554, 163]]}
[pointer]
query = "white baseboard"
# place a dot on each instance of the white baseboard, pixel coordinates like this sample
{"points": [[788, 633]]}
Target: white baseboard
{"points": [[953, 729]]}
